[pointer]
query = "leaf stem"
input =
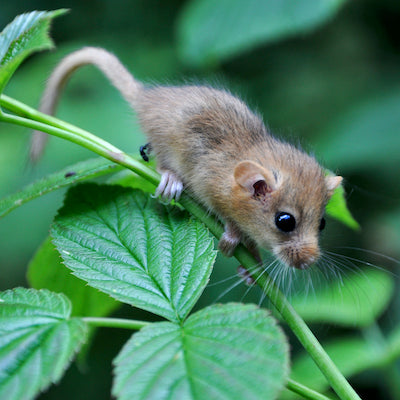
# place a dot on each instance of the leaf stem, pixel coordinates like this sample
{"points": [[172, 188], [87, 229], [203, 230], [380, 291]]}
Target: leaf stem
{"points": [[115, 323], [58, 128], [304, 391]]}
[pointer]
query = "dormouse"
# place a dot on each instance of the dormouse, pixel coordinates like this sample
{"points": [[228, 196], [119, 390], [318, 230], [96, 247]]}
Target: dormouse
{"points": [[207, 141]]}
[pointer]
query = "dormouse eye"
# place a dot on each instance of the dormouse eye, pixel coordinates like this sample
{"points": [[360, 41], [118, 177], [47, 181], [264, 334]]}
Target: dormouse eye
{"points": [[322, 224], [285, 221]]}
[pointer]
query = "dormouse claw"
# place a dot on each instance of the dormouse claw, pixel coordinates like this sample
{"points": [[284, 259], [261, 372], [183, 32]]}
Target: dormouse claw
{"points": [[170, 186]]}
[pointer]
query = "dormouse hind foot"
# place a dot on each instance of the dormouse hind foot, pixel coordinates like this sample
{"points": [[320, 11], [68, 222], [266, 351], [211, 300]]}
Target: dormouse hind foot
{"points": [[170, 186], [244, 274]]}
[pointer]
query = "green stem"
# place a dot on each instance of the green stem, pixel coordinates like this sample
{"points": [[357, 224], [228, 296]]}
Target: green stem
{"points": [[305, 391], [115, 323], [91, 142], [53, 126]]}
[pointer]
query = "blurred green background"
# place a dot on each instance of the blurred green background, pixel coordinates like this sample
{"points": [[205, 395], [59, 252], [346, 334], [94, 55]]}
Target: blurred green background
{"points": [[325, 74]]}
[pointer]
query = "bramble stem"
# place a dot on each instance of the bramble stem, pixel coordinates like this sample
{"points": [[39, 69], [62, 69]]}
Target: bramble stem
{"points": [[116, 323], [31, 118]]}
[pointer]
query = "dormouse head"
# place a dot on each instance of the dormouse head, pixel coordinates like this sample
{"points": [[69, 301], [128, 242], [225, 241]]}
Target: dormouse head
{"points": [[282, 210]]}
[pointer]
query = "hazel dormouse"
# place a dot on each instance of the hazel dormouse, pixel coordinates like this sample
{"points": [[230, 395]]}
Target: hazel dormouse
{"points": [[269, 193]]}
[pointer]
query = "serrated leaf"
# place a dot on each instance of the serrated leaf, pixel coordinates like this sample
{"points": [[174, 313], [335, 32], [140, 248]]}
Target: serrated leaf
{"points": [[37, 341], [128, 245], [356, 301], [210, 31], [28, 33], [46, 271], [231, 351], [66, 177], [337, 208]]}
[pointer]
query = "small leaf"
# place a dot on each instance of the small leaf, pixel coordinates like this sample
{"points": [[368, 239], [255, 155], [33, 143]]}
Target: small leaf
{"points": [[356, 301], [46, 271], [74, 173], [128, 245], [37, 341], [28, 33], [337, 208], [231, 351], [210, 31]]}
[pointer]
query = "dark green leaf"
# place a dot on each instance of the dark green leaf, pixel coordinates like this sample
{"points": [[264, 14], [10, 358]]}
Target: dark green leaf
{"points": [[66, 177], [231, 351], [28, 33], [37, 341], [358, 300], [46, 271], [128, 245], [210, 31]]}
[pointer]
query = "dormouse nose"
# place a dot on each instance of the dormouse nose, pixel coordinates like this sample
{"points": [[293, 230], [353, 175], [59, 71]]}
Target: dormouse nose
{"points": [[299, 254], [305, 256]]}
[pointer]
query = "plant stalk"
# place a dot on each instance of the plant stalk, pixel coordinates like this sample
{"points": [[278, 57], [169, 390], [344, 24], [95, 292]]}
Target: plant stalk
{"points": [[58, 128]]}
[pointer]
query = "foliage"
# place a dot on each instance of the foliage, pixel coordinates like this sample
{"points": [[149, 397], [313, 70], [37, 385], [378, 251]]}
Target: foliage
{"points": [[130, 248]]}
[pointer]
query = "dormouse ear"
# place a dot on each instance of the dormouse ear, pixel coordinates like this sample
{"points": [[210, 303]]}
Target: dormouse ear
{"points": [[254, 178], [332, 182]]}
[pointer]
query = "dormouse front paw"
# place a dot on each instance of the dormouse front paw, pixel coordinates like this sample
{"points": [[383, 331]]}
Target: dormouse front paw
{"points": [[229, 239], [170, 186]]}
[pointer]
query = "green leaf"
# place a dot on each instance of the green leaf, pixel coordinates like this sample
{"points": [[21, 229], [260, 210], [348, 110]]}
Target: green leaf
{"points": [[75, 173], [210, 31], [28, 33], [37, 341], [337, 208], [128, 245], [46, 271], [356, 301], [231, 351]]}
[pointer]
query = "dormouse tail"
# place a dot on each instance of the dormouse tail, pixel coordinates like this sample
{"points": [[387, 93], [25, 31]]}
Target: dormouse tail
{"points": [[111, 67]]}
